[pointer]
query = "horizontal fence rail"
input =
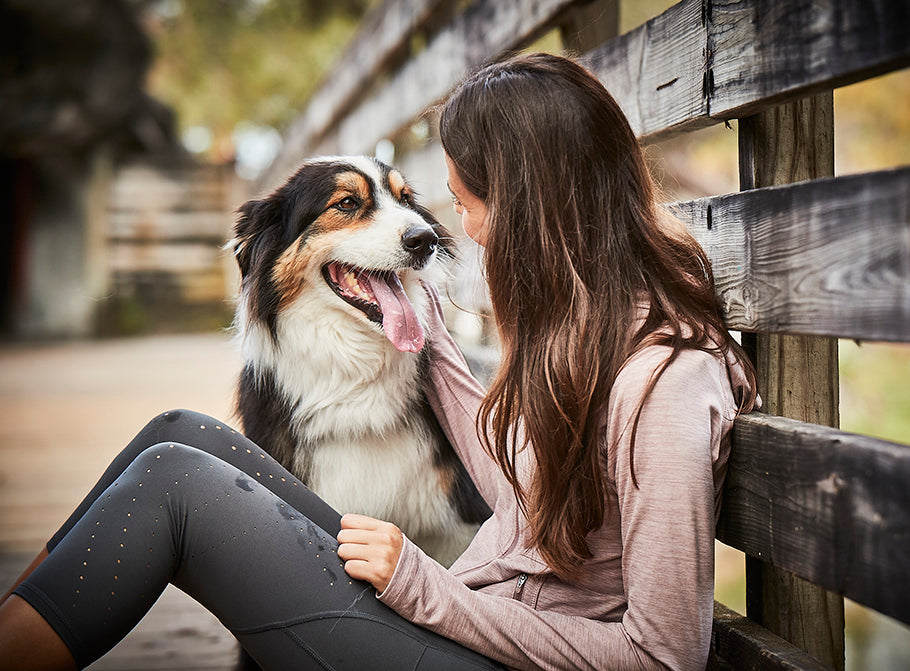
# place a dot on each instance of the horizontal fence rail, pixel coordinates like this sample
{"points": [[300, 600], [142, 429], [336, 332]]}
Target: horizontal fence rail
{"points": [[738, 644], [698, 63], [824, 257], [385, 33], [483, 32], [704, 61], [827, 505]]}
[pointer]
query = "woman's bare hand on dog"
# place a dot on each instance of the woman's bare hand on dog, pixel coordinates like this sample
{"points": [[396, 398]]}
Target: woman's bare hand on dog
{"points": [[370, 549]]}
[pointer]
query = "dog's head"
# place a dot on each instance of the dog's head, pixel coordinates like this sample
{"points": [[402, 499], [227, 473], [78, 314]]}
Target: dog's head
{"points": [[346, 225]]}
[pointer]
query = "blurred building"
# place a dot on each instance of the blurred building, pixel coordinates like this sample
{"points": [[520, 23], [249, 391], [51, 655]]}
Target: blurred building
{"points": [[80, 221]]}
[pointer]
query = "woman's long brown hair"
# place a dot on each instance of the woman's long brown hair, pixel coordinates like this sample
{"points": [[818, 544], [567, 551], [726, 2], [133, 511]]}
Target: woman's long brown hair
{"points": [[574, 248]]}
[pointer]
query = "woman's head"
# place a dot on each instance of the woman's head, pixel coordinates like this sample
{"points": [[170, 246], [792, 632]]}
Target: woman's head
{"points": [[551, 157], [540, 141], [575, 245]]}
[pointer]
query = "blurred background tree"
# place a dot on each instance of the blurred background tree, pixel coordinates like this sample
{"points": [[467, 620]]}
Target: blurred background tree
{"points": [[237, 71]]}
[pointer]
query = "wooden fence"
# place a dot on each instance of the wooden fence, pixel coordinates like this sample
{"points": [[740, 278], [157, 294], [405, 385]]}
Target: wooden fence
{"points": [[821, 514], [166, 222]]}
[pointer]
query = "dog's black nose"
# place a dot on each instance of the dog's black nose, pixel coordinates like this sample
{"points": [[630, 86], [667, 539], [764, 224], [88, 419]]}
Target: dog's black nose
{"points": [[420, 241]]}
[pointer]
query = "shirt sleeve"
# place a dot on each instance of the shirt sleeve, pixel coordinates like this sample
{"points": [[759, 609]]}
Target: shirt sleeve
{"points": [[667, 513], [503, 629], [455, 394], [667, 526]]}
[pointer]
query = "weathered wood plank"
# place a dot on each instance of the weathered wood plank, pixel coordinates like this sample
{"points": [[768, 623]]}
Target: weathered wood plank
{"points": [[386, 32], [483, 32], [765, 51], [704, 61], [824, 257], [739, 643], [831, 507], [696, 64], [657, 72], [828, 257]]}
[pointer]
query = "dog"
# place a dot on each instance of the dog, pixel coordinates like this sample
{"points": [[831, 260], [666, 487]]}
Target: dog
{"points": [[331, 318]]}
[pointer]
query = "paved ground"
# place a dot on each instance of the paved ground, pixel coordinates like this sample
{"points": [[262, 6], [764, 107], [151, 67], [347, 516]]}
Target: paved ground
{"points": [[65, 411]]}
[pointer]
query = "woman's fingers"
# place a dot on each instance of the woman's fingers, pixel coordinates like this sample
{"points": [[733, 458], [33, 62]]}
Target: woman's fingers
{"points": [[360, 536], [354, 521], [370, 549]]}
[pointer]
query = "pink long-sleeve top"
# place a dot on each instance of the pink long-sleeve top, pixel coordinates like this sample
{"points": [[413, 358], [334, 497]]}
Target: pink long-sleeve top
{"points": [[645, 598]]}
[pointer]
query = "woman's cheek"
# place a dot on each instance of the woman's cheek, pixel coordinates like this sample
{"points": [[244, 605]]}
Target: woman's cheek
{"points": [[470, 229]]}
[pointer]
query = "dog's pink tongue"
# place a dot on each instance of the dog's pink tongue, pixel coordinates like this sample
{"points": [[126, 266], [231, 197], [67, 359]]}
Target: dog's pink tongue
{"points": [[399, 321]]}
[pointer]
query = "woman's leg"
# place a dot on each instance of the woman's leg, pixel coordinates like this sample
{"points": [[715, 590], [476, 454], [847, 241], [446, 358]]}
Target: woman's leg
{"points": [[28, 642], [261, 565], [40, 557], [220, 440], [210, 435]]}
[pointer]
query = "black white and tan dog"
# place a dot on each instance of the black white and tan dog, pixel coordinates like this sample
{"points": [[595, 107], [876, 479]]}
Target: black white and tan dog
{"points": [[331, 322]]}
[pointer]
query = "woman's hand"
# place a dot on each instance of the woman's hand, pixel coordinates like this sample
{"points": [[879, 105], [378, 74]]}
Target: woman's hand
{"points": [[370, 549]]}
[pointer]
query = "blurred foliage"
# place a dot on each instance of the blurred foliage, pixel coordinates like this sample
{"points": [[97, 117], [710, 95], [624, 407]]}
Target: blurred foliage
{"points": [[872, 124], [875, 395], [633, 13], [220, 62]]}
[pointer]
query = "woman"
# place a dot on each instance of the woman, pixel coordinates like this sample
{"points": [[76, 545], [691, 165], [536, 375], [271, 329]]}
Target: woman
{"points": [[600, 446]]}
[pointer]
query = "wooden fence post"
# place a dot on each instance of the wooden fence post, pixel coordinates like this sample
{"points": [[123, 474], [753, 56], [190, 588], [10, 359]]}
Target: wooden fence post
{"points": [[797, 375], [590, 25]]}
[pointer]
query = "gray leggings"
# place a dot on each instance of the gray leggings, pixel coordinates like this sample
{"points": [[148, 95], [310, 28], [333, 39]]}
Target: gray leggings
{"points": [[192, 502]]}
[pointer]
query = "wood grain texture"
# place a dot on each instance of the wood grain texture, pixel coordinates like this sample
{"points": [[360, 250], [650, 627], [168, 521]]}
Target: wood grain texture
{"points": [[704, 61], [829, 506], [765, 51], [657, 72], [799, 374], [823, 257], [739, 643]]}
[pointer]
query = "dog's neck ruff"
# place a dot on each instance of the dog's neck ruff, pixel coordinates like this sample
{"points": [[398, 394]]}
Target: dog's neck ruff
{"points": [[340, 376]]}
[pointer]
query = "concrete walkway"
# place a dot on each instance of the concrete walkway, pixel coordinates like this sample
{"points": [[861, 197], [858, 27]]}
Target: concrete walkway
{"points": [[65, 411]]}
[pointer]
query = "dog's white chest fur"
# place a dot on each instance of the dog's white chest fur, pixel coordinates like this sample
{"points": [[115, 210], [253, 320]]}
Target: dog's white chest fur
{"points": [[386, 477], [354, 405]]}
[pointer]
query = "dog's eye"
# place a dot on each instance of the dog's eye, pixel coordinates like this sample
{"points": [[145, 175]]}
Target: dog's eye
{"points": [[347, 204], [407, 198]]}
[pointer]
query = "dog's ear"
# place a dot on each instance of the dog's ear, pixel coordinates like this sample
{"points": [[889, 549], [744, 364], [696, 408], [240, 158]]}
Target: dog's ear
{"points": [[257, 224]]}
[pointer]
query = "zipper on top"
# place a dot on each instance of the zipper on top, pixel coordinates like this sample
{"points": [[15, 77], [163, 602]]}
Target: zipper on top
{"points": [[519, 586]]}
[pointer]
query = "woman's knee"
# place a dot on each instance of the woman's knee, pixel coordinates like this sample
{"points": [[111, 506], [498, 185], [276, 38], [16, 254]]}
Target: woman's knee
{"points": [[185, 426], [172, 424], [162, 467], [173, 456]]}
